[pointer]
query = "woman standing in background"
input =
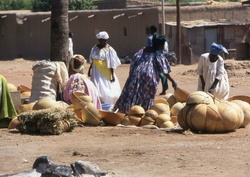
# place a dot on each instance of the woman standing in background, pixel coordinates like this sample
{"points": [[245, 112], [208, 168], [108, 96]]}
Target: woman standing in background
{"points": [[103, 61]]}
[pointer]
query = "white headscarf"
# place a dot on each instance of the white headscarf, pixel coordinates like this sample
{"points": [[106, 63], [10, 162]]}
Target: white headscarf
{"points": [[102, 35], [82, 60]]}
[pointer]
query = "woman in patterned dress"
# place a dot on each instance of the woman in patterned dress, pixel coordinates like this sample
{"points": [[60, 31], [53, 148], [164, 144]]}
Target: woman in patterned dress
{"points": [[142, 83], [103, 61], [78, 81]]}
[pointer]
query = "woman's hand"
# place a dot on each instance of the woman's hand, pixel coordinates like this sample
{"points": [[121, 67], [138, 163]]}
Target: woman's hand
{"points": [[112, 78], [89, 73], [174, 84], [211, 90]]}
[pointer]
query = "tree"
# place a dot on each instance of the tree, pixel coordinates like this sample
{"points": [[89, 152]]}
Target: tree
{"points": [[59, 30], [81, 5], [41, 5]]}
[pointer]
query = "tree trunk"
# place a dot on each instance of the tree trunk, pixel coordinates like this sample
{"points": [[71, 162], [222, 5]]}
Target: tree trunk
{"points": [[59, 30]]}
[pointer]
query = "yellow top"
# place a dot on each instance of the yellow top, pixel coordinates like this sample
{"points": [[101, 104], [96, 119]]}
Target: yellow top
{"points": [[101, 65]]}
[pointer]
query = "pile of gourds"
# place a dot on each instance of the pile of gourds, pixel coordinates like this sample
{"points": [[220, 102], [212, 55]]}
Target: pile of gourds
{"points": [[205, 113]]}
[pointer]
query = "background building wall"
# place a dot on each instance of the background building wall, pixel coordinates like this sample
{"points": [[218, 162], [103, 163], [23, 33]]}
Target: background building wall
{"points": [[28, 35]]}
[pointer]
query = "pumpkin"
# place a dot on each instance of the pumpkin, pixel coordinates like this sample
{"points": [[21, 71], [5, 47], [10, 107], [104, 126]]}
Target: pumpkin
{"points": [[182, 117], [11, 87], [90, 115], [162, 118], [137, 110], [160, 100], [147, 121], [47, 102], [14, 123], [80, 97], [161, 108], [25, 94], [174, 119], [204, 118], [199, 97], [151, 113], [240, 97], [167, 124], [170, 99], [231, 114], [246, 111], [176, 108], [149, 118], [136, 113], [25, 107]]}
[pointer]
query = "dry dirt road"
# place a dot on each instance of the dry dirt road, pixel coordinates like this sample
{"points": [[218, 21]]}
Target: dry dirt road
{"points": [[134, 152]]}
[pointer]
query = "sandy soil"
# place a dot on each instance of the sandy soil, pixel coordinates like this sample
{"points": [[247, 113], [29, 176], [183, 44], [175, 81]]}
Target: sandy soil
{"points": [[134, 152]]}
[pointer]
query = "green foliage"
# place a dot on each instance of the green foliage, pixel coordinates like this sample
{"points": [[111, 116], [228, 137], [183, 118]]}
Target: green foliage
{"points": [[44, 5], [182, 1], [15, 4], [40, 5], [81, 5]]}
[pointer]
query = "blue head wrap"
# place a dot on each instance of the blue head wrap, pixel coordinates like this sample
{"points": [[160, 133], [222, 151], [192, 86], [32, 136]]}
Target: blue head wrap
{"points": [[216, 49]]}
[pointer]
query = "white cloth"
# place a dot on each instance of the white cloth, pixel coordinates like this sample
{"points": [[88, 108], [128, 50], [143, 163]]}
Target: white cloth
{"points": [[108, 90], [102, 35], [210, 71], [166, 47], [70, 48]]}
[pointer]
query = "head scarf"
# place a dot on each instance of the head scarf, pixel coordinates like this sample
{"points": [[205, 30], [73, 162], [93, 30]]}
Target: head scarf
{"points": [[216, 49], [102, 35], [82, 60], [158, 39]]}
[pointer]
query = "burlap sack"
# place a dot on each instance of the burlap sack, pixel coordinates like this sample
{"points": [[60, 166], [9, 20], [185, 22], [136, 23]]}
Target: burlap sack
{"points": [[47, 75]]}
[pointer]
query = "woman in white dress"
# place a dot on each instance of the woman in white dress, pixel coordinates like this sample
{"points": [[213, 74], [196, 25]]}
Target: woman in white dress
{"points": [[213, 77], [103, 61]]}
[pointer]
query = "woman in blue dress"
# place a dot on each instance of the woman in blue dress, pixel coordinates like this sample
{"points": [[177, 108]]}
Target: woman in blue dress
{"points": [[144, 75]]}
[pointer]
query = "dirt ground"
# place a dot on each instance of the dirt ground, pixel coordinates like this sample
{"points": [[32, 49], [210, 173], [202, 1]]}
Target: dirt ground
{"points": [[135, 152]]}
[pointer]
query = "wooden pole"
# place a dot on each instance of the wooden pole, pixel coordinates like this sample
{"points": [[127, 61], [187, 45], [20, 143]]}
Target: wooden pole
{"points": [[178, 32], [163, 18]]}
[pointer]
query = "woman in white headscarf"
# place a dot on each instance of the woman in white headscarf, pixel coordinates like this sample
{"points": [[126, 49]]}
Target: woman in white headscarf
{"points": [[103, 61], [213, 77]]}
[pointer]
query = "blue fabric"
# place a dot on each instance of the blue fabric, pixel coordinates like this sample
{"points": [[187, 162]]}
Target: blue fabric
{"points": [[216, 49]]}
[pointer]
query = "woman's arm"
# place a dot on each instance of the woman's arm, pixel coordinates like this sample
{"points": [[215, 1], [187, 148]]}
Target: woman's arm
{"points": [[89, 71], [202, 82], [174, 84], [112, 75]]}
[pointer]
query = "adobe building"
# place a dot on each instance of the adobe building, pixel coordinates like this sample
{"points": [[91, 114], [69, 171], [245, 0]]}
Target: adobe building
{"points": [[27, 35]]}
